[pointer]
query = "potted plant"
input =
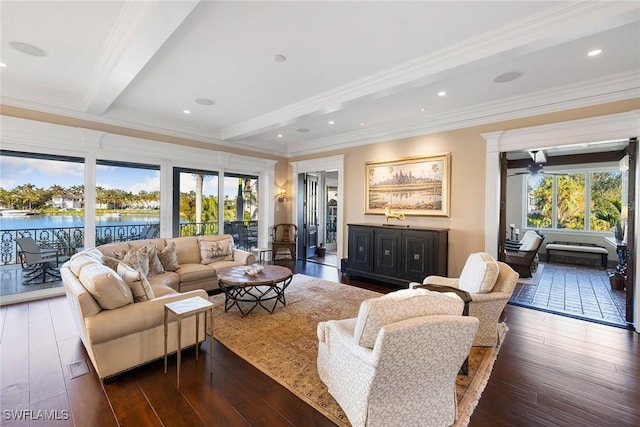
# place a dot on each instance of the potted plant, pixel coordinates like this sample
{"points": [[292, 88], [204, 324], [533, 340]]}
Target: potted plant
{"points": [[321, 250]]}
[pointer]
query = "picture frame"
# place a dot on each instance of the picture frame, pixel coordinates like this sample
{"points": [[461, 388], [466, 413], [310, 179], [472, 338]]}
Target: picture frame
{"points": [[410, 186]]}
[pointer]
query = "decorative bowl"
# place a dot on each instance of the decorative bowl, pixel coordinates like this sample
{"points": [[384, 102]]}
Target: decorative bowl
{"points": [[250, 271]]}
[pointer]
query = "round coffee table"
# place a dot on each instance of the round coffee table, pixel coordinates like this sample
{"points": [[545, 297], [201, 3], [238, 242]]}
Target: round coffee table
{"points": [[267, 285]]}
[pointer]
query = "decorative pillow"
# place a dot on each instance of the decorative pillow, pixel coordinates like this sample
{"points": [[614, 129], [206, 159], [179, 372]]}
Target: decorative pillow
{"points": [[169, 257], [219, 250], [106, 287], [139, 285], [479, 273], [111, 262], [76, 264], [155, 266], [400, 305], [138, 259]]}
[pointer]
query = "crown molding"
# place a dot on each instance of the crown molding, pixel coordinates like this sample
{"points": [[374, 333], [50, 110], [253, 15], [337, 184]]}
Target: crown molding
{"points": [[527, 35], [577, 95]]}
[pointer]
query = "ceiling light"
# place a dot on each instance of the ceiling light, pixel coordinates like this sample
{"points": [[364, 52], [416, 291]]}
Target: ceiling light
{"points": [[186, 111], [3, 65], [595, 52], [279, 135], [422, 110], [507, 77], [442, 93], [205, 101], [361, 123], [28, 49], [279, 58], [331, 122], [302, 130]]}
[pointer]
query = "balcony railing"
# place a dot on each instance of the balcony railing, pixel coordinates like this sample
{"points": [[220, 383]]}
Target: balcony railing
{"points": [[70, 240]]}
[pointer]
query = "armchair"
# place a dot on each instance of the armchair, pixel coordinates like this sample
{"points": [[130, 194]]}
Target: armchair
{"points": [[490, 284], [407, 375], [284, 241], [523, 258]]}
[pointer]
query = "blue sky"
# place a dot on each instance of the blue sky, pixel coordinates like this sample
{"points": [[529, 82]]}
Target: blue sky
{"points": [[15, 171]]}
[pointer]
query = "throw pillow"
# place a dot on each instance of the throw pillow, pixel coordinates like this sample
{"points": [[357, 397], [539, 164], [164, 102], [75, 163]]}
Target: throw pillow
{"points": [[530, 243], [169, 257], [479, 274], [400, 305], [219, 250], [155, 266], [111, 262], [106, 287], [139, 285], [138, 259]]}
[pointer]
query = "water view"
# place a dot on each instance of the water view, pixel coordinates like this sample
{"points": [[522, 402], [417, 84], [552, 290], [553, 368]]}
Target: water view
{"points": [[63, 221]]}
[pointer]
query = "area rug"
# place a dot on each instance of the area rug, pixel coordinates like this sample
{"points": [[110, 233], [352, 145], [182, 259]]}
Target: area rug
{"points": [[284, 345]]}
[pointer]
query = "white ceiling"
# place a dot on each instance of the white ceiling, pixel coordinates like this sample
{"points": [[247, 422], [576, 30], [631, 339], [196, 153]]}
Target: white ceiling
{"points": [[371, 67]]}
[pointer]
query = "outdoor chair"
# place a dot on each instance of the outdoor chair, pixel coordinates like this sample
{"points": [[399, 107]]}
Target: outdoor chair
{"points": [[523, 258], [38, 264], [284, 241]]}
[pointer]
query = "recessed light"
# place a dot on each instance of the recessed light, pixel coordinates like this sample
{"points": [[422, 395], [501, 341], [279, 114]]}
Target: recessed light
{"points": [[331, 122], [28, 49], [507, 77], [422, 110], [302, 130], [279, 135], [186, 111], [279, 58], [595, 52], [442, 93], [3, 65], [361, 123], [205, 101]]}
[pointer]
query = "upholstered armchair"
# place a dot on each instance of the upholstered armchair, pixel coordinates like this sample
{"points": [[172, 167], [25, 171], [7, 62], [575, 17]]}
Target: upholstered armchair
{"points": [[523, 257], [396, 363], [490, 284]]}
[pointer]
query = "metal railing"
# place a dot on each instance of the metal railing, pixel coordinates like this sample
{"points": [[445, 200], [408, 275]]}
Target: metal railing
{"points": [[69, 240]]}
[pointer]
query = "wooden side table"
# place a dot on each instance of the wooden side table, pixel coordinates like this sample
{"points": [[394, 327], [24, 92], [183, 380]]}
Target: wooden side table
{"points": [[181, 309]]}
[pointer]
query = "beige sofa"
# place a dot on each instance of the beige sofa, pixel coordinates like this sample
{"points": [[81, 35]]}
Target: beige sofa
{"points": [[120, 334]]}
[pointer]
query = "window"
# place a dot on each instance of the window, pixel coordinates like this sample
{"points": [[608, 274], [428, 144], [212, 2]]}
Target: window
{"points": [[198, 202], [565, 201]]}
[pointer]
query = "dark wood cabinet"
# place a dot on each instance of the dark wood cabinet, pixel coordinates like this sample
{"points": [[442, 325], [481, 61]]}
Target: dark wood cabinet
{"points": [[397, 255]]}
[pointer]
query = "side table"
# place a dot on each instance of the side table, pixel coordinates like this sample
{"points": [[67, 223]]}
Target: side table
{"points": [[261, 253], [181, 309]]}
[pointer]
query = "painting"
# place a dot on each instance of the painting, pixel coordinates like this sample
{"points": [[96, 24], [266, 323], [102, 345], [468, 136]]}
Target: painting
{"points": [[410, 186]]}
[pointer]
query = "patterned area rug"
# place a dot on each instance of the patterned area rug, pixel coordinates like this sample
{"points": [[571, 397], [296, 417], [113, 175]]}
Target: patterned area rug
{"points": [[284, 345]]}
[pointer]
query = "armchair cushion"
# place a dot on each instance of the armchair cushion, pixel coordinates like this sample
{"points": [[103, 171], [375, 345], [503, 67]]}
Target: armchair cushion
{"points": [[400, 305], [479, 273]]}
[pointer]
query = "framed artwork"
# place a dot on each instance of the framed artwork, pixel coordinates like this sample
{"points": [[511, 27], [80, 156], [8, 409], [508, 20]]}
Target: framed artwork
{"points": [[411, 186]]}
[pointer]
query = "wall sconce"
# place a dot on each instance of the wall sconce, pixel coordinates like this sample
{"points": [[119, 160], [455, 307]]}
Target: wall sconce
{"points": [[281, 193]]}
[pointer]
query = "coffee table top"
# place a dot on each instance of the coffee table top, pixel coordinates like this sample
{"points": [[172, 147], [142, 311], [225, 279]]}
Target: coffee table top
{"points": [[270, 275]]}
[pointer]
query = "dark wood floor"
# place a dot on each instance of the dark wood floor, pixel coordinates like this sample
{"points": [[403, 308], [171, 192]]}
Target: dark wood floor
{"points": [[551, 371]]}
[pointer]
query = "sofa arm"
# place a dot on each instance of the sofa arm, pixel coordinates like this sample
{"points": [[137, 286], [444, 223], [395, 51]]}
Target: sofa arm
{"points": [[246, 258], [443, 281]]}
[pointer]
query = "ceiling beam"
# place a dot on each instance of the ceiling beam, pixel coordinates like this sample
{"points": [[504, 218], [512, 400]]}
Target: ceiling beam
{"points": [[573, 159], [139, 32]]}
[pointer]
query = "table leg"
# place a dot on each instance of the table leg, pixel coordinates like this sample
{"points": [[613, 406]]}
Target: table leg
{"points": [[166, 312], [197, 333], [179, 350]]}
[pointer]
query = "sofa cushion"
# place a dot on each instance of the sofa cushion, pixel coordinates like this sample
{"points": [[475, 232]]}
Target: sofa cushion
{"points": [[137, 282], [193, 272], [106, 287], [137, 244], [479, 274], [111, 248], [169, 257], [400, 305], [211, 251], [111, 262], [77, 263], [168, 279], [188, 249]]}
